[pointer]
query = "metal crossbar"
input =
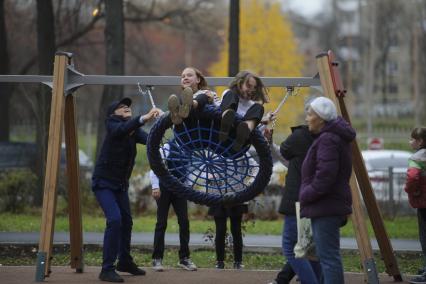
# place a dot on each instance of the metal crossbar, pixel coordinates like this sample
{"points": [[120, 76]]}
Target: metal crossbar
{"points": [[76, 79]]}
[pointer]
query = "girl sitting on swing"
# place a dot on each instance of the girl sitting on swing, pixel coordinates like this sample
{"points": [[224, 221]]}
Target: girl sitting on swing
{"points": [[245, 96], [195, 95]]}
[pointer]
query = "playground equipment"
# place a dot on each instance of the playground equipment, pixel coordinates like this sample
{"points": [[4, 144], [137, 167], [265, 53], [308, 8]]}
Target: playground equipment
{"points": [[66, 80]]}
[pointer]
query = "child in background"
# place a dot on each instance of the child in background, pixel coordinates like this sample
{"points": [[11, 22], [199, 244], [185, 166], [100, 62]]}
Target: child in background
{"points": [[164, 198], [221, 214], [415, 186]]}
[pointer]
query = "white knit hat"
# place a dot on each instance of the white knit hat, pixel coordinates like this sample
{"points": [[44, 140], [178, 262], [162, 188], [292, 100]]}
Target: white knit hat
{"points": [[325, 108]]}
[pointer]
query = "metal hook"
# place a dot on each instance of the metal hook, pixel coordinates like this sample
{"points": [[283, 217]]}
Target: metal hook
{"points": [[291, 91], [146, 90]]}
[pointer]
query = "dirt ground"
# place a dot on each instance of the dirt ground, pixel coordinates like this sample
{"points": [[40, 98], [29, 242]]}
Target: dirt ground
{"points": [[61, 274]]}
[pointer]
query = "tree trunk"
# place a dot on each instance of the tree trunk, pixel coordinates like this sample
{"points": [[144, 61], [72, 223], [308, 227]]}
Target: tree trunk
{"points": [[234, 38], [114, 40], [46, 54], [369, 94], [420, 102], [5, 89]]}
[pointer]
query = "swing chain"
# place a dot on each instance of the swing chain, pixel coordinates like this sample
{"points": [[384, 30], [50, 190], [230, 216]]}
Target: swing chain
{"points": [[290, 91], [146, 90]]}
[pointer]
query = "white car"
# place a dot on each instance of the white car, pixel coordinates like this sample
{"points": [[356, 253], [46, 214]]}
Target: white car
{"points": [[381, 164]]}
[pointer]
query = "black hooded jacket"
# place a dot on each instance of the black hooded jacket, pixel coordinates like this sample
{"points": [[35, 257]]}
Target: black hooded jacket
{"points": [[117, 156], [294, 150]]}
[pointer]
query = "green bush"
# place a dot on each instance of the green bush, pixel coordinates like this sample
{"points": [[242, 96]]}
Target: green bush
{"points": [[16, 190], [87, 198]]}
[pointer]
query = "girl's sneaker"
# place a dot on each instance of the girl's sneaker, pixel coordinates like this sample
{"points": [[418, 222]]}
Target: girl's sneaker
{"points": [[226, 123], [174, 106], [220, 264], [243, 133], [238, 265], [157, 264], [186, 105], [187, 264]]}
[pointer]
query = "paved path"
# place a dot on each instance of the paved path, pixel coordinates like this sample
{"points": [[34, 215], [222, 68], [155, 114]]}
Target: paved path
{"points": [[65, 275], [251, 242]]}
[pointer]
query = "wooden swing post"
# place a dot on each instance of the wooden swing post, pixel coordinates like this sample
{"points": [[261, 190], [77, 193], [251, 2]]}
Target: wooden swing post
{"points": [[62, 107], [333, 89]]}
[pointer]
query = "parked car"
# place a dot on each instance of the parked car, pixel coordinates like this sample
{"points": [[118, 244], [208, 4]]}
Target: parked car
{"points": [[387, 171], [23, 155]]}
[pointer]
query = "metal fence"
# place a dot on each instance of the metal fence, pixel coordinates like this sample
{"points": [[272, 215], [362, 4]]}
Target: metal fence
{"points": [[388, 186]]}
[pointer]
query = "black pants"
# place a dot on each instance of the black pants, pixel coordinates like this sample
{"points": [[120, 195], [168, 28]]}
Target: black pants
{"points": [[236, 237], [230, 101], [421, 217], [181, 209]]}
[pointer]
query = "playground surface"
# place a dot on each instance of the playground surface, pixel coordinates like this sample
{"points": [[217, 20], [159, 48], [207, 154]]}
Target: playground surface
{"points": [[66, 275]]}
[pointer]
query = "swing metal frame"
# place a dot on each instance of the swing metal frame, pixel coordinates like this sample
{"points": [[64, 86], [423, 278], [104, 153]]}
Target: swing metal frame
{"points": [[66, 80]]}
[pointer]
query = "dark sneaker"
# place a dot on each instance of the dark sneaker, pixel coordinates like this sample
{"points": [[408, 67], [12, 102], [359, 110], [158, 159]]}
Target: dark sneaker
{"points": [[185, 107], [419, 279], [238, 265], [243, 133], [131, 268], [226, 123], [187, 264], [220, 265], [174, 105], [110, 276], [157, 264]]}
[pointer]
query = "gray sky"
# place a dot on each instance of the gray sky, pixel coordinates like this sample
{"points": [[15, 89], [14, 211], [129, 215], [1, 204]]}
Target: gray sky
{"points": [[306, 8]]}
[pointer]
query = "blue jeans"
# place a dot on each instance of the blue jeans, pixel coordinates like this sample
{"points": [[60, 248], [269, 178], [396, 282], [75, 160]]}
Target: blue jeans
{"points": [[326, 233], [308, 271], [116, 207]]}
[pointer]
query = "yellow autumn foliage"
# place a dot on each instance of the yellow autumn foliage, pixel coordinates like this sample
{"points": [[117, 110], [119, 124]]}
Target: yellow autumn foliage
{"points": [[269, 49]]}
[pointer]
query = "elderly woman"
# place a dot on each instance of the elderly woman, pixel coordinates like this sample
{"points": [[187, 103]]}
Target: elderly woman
{"points": [[325, 195]]}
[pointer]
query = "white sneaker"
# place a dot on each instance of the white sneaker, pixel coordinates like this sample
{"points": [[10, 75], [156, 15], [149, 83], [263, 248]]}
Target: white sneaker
{"points": [[187, 264], [157, 264]]}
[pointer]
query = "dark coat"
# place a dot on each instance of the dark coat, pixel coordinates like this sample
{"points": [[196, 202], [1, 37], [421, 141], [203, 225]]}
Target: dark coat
{"points": [[117, 156], [294, 150], [326, 171]]}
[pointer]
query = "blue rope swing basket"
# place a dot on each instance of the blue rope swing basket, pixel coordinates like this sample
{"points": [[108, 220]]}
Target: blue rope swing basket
{"points": [[201, 169]]}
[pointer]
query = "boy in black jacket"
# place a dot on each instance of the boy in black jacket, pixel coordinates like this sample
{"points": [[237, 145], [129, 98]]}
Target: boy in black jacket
{"points": [[110, 183]]}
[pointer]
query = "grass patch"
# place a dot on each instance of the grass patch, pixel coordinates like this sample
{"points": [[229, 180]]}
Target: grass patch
{"points": [[203, 258], [31, 223]]}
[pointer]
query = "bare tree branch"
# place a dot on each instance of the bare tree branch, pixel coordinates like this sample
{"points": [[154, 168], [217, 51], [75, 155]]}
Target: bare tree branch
{"points": [[72, 38]]}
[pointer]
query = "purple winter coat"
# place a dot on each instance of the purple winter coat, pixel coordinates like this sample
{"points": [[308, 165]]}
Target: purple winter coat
{"points": [[326, 171]]}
